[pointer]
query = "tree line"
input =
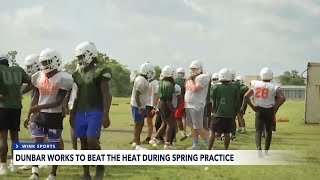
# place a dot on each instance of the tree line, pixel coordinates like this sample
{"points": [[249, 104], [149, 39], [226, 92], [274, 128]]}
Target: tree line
{"points": [[121, 84]]}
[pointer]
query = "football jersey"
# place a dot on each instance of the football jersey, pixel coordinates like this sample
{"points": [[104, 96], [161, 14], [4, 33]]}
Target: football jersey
{"points": [[90, 96], [11, 80], [264, 93], [141, 84], [49, 87], [153, 90], [197, 100]]}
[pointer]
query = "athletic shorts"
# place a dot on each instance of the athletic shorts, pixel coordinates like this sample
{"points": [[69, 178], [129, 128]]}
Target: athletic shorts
{"points": [[195, 117], [135, 114], [148, 111], [37, 130], [222, 125], [10, 119], [264, 117], [88, 124]]}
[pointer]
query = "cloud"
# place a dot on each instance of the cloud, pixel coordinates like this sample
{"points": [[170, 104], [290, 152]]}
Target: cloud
{"points": [[236, 33]]}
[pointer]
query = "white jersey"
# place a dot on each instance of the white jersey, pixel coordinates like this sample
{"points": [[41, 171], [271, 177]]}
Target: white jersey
{"points": [[73, 95], [177, 92], [197, 100], [153, 91], [49, 87], [264, 93], [141, 84]]}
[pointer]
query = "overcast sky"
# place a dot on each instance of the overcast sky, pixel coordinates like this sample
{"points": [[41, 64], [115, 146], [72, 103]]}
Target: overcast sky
{"points": [[244, 35]]}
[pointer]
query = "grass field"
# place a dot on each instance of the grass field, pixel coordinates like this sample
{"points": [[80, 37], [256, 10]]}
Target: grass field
{"points": [[292, 135]]}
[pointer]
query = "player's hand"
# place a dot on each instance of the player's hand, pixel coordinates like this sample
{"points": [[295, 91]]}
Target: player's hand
{"points": [[105, 120], [141, 111], [35, 109], [26, 123], [242, 110], [153, 112]]}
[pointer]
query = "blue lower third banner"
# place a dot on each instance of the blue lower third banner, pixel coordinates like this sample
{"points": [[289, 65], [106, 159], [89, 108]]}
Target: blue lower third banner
{"points": [[35, 146]]}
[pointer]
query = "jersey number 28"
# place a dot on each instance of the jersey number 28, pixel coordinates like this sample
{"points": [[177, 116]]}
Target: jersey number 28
{"points": [[262, 93]]}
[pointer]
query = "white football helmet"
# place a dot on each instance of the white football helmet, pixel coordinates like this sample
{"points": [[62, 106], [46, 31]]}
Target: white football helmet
{"points": [[85, 52], [32, 64], [168, 71], [266, 74], [240, 79], [49, 59], [197, 65], [148, 70], [224, 75], [180, 72], [215, 76]]}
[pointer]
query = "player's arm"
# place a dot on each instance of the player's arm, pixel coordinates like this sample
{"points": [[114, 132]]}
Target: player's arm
{"points": [[195, 87], [213, 95], [155, 98], [247, 100], [73, 110], [107, 99], [280, 99], [34, 102], [137, 98], [27, 80], [58, 101]]}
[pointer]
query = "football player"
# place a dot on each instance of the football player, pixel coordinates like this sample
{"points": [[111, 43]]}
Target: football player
{"points": [[92, 105], [267, 98], [45, 117]]}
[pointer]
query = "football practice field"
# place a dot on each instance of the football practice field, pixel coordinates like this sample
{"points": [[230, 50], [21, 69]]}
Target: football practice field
{"points": [[292, 135]]}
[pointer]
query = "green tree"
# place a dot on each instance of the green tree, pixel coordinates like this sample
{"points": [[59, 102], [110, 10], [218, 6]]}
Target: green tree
{"points": [[291, 78], [158, 72], [120, 84], [12, 57]]}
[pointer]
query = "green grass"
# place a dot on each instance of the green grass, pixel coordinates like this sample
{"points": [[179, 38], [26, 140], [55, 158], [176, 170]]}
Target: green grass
{"points": [[292, 135]]}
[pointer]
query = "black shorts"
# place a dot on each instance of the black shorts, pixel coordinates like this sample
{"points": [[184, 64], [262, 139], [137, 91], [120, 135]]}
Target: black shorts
{"points": [[222, 125], [148, 111], [52, 120], [264, 118], [10, 119]]}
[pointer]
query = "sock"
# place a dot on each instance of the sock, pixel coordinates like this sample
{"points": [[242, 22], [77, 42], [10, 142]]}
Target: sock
{"points": [[35, 170], [196, 143], [54, 173]]}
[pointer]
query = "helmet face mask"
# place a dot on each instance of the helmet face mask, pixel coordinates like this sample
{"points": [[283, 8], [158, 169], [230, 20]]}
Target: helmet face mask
{"points": [[181, 73], [49, 60], [148, 70], [32, 64], [85, 52], [196, 68], [240, 79]]}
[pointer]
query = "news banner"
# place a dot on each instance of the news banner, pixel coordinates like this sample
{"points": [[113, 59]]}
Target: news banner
{"points": [[48, 154]]}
